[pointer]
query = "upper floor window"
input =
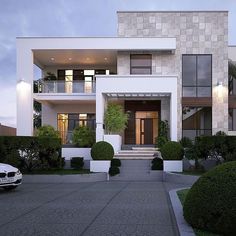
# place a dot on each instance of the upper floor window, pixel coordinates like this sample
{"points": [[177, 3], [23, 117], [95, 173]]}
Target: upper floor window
{"points": [[141, 64], [197, 75]]}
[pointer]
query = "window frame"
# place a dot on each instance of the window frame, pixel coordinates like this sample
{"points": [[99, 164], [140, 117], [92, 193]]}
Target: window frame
{"points": [[140, 67], [196, 67]]}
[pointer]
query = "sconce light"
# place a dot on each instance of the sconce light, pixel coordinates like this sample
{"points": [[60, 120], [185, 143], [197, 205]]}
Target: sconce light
{"points": [[22, 86], [220, 84]]}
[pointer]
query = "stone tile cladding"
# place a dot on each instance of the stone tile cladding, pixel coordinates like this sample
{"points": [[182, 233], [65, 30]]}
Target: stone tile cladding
{"points": [[195, 33]]}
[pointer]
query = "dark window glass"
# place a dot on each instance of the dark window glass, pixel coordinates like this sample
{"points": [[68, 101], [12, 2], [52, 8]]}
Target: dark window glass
{"points": [[204, 70], [189, 70], [197, 75], [196, 121], [203, 91], [189, 92], [232, 119], [141, 64]]}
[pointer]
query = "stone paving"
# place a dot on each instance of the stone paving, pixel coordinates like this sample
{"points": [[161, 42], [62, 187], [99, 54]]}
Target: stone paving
{"points": [[101, 208]]}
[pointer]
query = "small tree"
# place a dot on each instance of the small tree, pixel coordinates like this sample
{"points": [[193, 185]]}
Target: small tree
{"points": [[47, 131], [115, 119]]}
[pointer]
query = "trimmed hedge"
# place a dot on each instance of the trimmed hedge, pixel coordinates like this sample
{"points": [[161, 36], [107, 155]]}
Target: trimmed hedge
{"points": [[211, 202], [102, 151], [116, 162], [28, 153], [157, 164], [77, 163], [114, 170], [172, 151]]}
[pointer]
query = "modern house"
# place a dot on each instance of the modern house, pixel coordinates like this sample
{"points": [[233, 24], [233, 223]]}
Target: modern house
{"points": [[162, 66]]}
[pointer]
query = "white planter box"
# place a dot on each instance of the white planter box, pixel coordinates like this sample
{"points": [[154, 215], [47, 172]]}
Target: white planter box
{"points": [[76, 152], [115, 140], [100, 166], [173, 166]]}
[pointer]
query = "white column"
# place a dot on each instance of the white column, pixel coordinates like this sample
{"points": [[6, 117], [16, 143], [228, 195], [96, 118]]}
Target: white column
{"points": [[100, 107], [173, 116], [24, 90]]}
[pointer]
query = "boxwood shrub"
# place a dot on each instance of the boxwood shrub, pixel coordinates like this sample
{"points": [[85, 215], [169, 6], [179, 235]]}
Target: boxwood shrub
{"points": [[211, 202], [77, 163], [114, 170], [116, 162], [102, 151], [157, 164], [172, 151]]}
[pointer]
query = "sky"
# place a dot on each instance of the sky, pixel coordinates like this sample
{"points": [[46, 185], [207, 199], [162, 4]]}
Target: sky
{"points": [[74, 18]]}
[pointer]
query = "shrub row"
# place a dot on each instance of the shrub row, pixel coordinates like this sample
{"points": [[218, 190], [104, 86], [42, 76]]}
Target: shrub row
{"points": [[29, 153]]}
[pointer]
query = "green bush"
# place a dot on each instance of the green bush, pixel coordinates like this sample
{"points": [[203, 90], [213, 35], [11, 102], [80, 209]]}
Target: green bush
{"points": [[186, 142], [172, 151], [77, 163], [162, 138], [102, 151], [114, 170], [47, 131], [83, 136], [157, 164], [115, 162], [29, 153], [211, 202]]}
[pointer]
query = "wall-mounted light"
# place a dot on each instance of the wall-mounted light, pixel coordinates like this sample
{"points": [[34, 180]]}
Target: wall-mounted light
{"points": [[220, 84], [22, 87]]}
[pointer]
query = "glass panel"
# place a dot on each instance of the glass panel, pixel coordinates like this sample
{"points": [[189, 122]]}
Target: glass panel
{"points": [[189, 92], [204, 91], [140, 60], [88, 88], [189, 70], [204, 70], [230, 119], [69, 72], [62, 126], [89, 72], [140, 71]]}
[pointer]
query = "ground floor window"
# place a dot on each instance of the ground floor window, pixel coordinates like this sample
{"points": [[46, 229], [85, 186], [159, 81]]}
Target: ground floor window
{"points": [[66, 123], [196, 121], [232, 119]]}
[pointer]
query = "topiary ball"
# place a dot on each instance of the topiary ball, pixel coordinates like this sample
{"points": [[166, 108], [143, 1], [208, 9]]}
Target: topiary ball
{"points": [[157, 164], [114, 170], [211, 202], [172, 151], [102, 151]]}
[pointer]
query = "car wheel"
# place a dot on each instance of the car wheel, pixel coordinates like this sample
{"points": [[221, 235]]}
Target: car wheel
{"points": [[8, 188]]}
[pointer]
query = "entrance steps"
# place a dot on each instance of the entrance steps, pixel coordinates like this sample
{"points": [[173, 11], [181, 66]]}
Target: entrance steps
{"points": [[136, 165], [137, 153], [137, 170]]}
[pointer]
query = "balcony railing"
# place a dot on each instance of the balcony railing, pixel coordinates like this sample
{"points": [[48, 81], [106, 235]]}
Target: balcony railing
{"points": [[87, 87]]}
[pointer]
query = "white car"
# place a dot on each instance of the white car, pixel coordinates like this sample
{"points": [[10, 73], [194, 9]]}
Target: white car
{"points": [[10, 177]]}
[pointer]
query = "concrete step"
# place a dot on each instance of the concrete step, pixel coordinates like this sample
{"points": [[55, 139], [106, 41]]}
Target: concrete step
{"points": [[137, 151], [144, 149]]}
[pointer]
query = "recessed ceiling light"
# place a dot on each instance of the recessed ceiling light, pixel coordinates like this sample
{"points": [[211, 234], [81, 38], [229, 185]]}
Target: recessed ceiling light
{"points": [[52, 58], [87, 59], [70, 58], [105, 58]]}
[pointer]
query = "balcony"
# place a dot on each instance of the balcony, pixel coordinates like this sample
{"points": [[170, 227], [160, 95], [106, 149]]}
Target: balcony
{"points": [[87, 87]]}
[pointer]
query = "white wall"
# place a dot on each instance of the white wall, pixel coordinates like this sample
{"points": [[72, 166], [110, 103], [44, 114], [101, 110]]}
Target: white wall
{"points": [[150, 84], [68, 153]]}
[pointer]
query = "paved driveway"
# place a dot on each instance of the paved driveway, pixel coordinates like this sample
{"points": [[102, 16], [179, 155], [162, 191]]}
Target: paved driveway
{"points": [[102, 208]]}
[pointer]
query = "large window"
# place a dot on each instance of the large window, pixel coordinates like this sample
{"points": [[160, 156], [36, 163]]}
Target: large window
{"points": [[196, 121], [66, 123], [197, 75], [141, 64], [232, 119]]}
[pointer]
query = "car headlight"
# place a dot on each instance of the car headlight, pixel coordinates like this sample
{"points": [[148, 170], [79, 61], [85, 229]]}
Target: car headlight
{"points": [[18, 172]]}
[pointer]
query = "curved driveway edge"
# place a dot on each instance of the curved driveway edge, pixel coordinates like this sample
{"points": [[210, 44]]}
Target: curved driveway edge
{"points": [[179, 178], [184, 228], [57, 179]]}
